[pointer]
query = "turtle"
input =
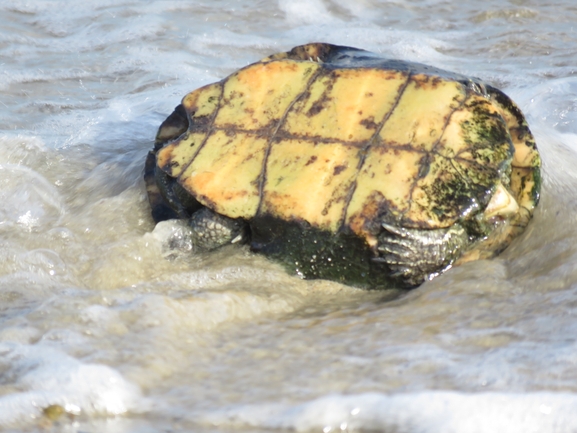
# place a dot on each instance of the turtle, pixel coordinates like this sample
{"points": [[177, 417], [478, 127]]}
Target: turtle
{"points": [[345, 165]]}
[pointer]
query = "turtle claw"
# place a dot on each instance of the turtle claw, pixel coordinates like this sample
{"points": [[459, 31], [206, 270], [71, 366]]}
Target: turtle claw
{"points": [[398, 240], [396, 248], [239, 238], [400, 274], [400, 269], [400, 231]]}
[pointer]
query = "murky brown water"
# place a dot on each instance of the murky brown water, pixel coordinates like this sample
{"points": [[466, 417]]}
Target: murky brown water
{"points": [[94, 317]]}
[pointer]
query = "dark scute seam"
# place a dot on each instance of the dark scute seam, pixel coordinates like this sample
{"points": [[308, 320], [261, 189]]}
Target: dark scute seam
{"points": [[435, 147], [209, 132], [283, 135], [263, 172], [365, 151]]}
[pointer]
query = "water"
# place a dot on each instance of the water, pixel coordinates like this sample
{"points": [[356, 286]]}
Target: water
{"points": [[97, 319]]}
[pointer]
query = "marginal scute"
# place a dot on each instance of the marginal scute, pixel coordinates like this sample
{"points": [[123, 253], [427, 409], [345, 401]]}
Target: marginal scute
{"points": [[310, 52], [202, 103], [526, 154], [200, 107], [175, 157], [175, 125], [525, 183]]}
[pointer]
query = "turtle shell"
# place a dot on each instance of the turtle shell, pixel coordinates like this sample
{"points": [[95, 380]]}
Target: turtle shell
{"points": [[342, 140]]}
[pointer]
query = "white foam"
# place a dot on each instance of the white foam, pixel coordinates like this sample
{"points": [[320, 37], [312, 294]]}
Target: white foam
{"points": [[426, 412], [29, 201], [42, 376], [301, 12]]}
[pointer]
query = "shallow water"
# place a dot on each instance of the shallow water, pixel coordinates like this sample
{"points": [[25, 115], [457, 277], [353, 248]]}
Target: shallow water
{"points": [[98, 318]]}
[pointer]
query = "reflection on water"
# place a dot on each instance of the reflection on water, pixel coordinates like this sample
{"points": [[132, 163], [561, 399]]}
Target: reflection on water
{"points": [[97, 320]]}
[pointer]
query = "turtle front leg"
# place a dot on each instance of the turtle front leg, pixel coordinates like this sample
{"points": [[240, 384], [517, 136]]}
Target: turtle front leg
{"points": [[416, 255], [210, 230]]}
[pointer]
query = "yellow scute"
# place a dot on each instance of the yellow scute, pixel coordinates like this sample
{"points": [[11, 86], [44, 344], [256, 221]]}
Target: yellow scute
{"points": [[345, 104], [422, 112], [259, 95], [384, 183], [203, 101], [224, 175], [522, 183], [524, 156], [452, 142], [309, 181], [175, 157]]}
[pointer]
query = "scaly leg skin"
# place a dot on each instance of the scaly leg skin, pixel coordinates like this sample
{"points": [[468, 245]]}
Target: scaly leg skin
{"points": [[416, 255], [211, 230]]}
